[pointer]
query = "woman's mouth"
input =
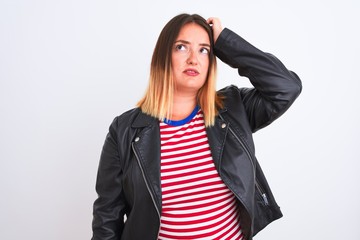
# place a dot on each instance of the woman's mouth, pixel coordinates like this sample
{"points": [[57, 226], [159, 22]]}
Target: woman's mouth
{"points": [[191, 72]]}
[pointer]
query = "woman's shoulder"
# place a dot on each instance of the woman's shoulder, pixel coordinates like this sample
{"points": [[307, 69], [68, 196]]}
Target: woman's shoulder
{"points": [[233, 96], [231, 93], [125, 118], [133, 118], [231, 89]]}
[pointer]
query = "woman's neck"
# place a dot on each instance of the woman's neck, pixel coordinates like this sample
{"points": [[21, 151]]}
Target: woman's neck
{"points": [[183, 107]]}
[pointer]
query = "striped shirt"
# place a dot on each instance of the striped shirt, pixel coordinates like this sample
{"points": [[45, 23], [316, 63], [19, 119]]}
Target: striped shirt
{"points": [[196, 204]]}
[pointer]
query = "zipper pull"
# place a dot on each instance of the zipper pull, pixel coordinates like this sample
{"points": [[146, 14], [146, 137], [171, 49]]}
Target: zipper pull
{"points": [[265, 199]]}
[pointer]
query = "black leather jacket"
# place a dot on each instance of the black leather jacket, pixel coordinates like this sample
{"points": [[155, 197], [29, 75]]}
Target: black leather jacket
{"points": [[128, 181]]}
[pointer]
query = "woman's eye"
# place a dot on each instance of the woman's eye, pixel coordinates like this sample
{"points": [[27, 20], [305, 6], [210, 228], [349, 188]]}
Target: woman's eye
{"points": [[204, 51], [181, 47]]}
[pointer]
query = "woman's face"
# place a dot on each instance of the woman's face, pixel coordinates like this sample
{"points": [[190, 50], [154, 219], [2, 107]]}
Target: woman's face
{"points": [[190, 59]]}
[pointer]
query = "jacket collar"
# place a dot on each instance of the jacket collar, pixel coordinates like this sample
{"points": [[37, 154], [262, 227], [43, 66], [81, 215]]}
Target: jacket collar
{"points": [[143, 120]]}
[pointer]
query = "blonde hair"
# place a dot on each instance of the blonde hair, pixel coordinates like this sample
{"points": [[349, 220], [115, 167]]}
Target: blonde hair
{"points": [[158, 98]]}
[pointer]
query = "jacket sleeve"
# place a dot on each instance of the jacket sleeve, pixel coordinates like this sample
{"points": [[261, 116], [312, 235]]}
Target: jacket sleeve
{"points": [[109, 207], [275, 87]]}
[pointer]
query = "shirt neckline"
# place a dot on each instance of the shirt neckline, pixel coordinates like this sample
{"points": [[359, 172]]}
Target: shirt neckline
{"points": [[181, 122]]}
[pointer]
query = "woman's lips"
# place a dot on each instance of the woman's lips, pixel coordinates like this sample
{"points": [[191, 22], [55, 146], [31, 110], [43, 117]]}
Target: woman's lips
{"points": [[191, 72]]}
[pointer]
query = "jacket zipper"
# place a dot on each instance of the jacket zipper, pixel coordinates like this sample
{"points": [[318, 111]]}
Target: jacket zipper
{"points": [[147, 186], [262, 193], [257, 185]]}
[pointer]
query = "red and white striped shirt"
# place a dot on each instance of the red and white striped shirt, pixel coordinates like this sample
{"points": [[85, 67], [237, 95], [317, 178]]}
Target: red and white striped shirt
{"points": [[196, 204]]}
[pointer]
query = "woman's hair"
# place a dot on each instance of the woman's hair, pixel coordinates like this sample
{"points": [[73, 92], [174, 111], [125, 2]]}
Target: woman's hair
{"points": [[158, 98]]}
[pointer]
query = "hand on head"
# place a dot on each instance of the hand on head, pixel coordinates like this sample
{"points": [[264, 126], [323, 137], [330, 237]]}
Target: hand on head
{"points": [[215, 23]]}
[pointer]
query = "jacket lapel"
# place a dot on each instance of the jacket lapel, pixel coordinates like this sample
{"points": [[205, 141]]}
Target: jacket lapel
{"points": [[147, 147], [217, 136]]}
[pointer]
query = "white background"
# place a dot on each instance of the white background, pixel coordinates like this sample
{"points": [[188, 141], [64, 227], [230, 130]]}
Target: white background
{"points": [[67, 68]]}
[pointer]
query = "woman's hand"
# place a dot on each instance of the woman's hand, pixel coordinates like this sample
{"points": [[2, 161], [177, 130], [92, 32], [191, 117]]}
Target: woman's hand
{"points": [[215, 23]]}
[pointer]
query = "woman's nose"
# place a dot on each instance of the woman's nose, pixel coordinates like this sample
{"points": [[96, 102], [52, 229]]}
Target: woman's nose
{"points": [[192, 58]]}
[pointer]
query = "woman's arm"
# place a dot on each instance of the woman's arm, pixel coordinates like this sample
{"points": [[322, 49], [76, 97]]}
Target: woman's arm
{"points": [[275, 87], [109, 207]]}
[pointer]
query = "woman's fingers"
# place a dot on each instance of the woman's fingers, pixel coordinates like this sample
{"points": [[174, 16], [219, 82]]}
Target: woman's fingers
{"points": [[215, 23]]}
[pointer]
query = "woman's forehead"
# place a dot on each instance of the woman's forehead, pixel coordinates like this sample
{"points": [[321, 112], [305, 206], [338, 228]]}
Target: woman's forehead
{"points": [[194, 34]]}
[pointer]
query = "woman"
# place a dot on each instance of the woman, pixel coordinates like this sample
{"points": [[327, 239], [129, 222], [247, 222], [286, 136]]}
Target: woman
{"points": [[181, 165]]}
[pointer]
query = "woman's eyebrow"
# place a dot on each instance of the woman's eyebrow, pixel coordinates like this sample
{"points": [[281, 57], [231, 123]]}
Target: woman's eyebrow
{"points": [[187, 42], [205, 44], [182, 41]]}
